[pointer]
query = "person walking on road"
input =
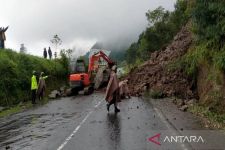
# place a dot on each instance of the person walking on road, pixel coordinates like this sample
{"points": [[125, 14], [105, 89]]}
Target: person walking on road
{"points": [[112, 91], [124, 90], [49, 53], [41, 86], [45, 53], [34, 87]]}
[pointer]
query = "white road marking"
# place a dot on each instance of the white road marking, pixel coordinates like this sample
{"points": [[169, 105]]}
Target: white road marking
{"points": [[169, 126], [77, 128]]}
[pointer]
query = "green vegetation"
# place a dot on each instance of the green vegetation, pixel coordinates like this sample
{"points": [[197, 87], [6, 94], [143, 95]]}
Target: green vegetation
{"points": [[208, 26], [117, 56], [213, 120], [190, 61], [163, 26], [156, 94], [207, 54], [10, 111], [209, 22], [16, 70], [15, 109], [21, 107]]}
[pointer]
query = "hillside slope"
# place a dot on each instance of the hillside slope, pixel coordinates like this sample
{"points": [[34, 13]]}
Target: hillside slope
{"points": [[155, 74]]}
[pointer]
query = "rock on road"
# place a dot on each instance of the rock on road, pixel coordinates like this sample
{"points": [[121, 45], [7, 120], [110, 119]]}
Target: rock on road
{"points": [[82, 123]]}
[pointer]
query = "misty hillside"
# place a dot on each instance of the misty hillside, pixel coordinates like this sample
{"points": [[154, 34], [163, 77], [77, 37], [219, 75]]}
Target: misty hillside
{"points": [[188, 65], [117, 55]]}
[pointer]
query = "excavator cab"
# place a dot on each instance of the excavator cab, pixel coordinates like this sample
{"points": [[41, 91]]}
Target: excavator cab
{"points": [[79, 79], [80, 66]]}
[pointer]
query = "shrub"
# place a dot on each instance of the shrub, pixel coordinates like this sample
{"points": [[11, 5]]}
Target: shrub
{"points": [[156, 94], [16, 71]]}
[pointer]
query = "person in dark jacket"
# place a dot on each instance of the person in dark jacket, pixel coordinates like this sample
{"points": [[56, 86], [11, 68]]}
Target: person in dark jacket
{"points": [[45, 53], [2, 37], [41, 86], [49, 53]]}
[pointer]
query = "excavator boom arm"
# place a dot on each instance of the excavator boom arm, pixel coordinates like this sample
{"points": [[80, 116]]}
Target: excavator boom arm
{"points": [[96, 57]]}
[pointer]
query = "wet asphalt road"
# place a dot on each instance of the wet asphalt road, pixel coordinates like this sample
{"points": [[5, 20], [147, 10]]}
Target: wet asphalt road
{"points": [[82, 123]]}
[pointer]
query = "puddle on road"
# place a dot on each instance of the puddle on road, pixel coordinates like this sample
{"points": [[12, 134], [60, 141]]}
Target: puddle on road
{"points": [[20, 131]]}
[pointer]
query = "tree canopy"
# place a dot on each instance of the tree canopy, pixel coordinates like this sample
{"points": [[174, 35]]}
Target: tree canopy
{"points": [[162, 27]]}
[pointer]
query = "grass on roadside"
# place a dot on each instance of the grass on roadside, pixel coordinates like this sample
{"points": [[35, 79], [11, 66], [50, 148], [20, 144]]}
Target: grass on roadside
{"points": [[11, 110], [155, 94], [210, 119], [21, 107]]}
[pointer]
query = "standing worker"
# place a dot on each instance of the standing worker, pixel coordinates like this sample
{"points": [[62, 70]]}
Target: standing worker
{"points": [[41, 86], [49, 53], [112, 91], [2, 37], [45, 53], [34, 87]]}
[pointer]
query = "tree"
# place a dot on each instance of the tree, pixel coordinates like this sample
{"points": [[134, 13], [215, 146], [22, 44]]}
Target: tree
{"points": [[67, 53], [163, 26], [23, 49], [156, 15], [64, 60], [182, 13], [209, 22], [56, 41], [131, 53]]}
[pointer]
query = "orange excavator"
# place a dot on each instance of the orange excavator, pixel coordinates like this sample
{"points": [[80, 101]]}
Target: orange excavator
{"points": [[96, 76]]}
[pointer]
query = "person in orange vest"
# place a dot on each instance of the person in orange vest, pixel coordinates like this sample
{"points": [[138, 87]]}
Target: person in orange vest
{"points": [[34, 87]]}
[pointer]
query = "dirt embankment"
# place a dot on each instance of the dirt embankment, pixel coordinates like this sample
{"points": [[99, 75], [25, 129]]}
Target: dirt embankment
{"points": [[155, 75], [211, 91]]}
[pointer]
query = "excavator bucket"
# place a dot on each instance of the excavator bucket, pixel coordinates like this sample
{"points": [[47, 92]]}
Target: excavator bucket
{"points": [[102, 77]]}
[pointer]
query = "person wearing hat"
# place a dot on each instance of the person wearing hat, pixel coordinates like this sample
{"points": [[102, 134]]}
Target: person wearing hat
{"points": [[112, 91], [34, 87], [41, 86]]}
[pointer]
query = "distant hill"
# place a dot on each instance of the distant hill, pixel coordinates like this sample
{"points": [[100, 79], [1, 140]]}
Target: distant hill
{"points": [[117, 55]]}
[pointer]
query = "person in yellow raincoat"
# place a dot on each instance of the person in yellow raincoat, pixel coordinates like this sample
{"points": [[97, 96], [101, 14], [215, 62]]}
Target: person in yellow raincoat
{"points": [[34, 87]]}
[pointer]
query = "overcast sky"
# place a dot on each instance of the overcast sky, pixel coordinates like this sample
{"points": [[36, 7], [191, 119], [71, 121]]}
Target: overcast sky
{"points": [[79, 23]]}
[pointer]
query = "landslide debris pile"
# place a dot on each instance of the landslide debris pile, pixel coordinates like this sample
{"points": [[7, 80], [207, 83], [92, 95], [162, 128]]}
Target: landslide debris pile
{"points": [[155, 75]]}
